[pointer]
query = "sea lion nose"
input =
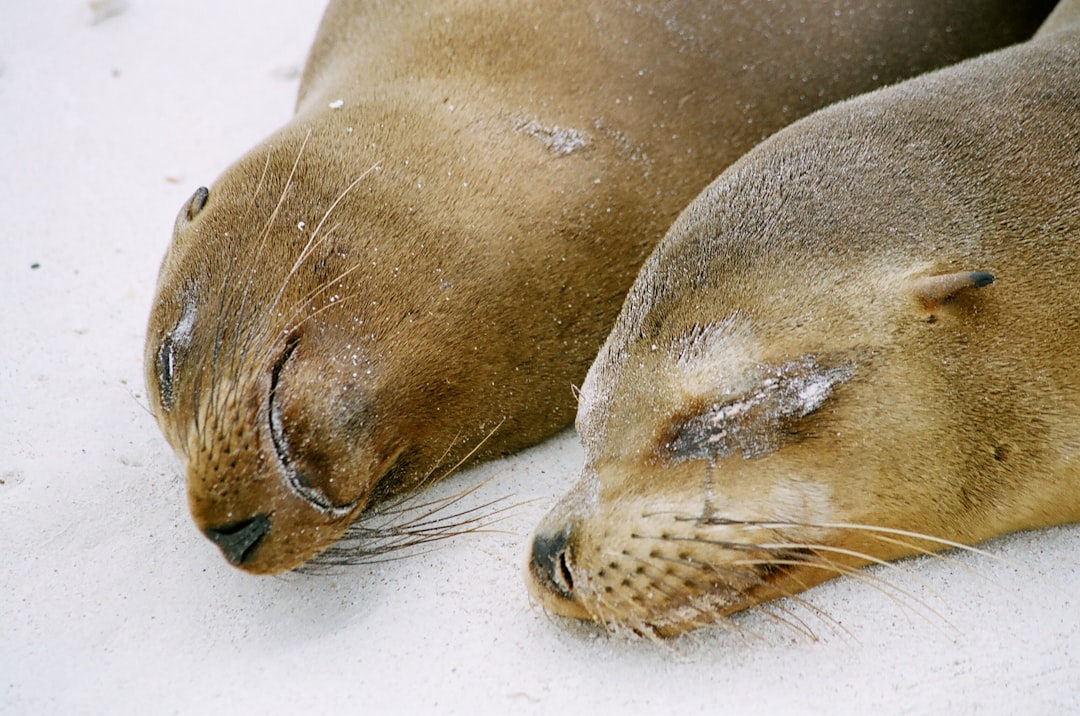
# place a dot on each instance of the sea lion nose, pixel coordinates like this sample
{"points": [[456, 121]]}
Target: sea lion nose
{"points": [[550, 564], [238, 540]]}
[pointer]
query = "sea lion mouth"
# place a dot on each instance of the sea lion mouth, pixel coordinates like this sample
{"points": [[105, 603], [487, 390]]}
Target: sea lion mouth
{"points": [[674, 578], [294, 477]]}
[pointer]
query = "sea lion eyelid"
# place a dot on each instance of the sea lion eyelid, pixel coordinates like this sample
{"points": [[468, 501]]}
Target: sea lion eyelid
{"points": [[761, 421], [170, 354], [166, 367]]}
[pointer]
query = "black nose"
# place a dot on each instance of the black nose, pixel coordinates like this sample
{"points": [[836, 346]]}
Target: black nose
{"points": [[550, 564], [238, 540]]}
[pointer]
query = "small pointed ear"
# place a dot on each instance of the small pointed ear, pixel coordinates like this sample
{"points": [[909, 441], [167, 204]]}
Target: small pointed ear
{"points": [[932, 291], [191, 208]]}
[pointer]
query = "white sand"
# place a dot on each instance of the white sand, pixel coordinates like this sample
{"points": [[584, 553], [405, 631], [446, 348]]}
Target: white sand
{"points": [[111, 602]]}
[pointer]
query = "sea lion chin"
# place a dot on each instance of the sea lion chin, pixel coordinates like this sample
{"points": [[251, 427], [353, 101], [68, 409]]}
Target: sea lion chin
{"points": [[415, 270], [854, 346]]}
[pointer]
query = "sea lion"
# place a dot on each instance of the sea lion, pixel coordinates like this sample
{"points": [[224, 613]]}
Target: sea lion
{"points": [[415, 269], [855, 345]]}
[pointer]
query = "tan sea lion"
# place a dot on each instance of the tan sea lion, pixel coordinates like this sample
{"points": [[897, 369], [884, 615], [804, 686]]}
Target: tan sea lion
{"points": [[857, 344], [415, 269]]}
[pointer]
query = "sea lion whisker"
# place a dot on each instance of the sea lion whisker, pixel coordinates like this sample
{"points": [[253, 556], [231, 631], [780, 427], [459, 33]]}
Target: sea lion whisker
{"points": [[725, 544], [673, 597], [289, 327], [405, 500], [817, 549], [435, 506], [946, 559], [832, 623], [826, 618], [219, 335], [258, 187], [361, 548], [424, 523], [797, 554], [398, 538], [408, 536], [305, 302], [427, 481], [265, 232], [472, 453], [264, 235], [605, 610], [314, 241], [426, 511], [341, 197], [763, 601], [366, 538], [767, 524], [823, 563], [802, 627], [290, 323], [789, 619], [882, 586], [879, 533], [408, 502], [335, 559], [608, 613], [706, 567], [697, 603]]}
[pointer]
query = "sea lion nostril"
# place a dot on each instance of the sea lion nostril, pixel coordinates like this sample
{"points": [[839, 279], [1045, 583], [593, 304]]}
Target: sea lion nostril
{"points": [[238, 540], [550, 563]]}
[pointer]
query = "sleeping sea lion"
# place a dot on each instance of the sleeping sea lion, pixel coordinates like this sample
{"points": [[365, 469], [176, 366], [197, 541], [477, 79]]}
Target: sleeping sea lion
{"points": [[857, 344], [415, 269]]}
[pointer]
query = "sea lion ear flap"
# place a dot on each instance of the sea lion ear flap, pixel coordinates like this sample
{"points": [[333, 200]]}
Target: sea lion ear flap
{"points": [[933, 291], [191, 208]]}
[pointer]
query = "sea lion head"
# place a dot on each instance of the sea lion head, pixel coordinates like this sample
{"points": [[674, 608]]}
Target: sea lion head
{"points": [[783, 398], [293, 350]]}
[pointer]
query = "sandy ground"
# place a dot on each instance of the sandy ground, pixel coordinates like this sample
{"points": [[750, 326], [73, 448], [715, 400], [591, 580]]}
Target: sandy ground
{"points": [[111, 602]]}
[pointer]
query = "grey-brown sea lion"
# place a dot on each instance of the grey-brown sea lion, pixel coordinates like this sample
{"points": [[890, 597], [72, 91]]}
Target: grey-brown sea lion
{"points": [[858, 344], [417, 267]]}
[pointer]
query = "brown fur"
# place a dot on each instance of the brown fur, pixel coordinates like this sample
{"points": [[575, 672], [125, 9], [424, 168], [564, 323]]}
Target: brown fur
{"points": [[431, 251], [856, 345]]}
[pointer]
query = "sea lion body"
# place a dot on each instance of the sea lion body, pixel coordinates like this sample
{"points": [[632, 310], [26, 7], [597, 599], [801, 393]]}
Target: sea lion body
{"points": [[416, 269], [861, 333]]}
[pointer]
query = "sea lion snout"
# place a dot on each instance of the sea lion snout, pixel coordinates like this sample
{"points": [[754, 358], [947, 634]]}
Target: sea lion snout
{"points": [[550, 572]]}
